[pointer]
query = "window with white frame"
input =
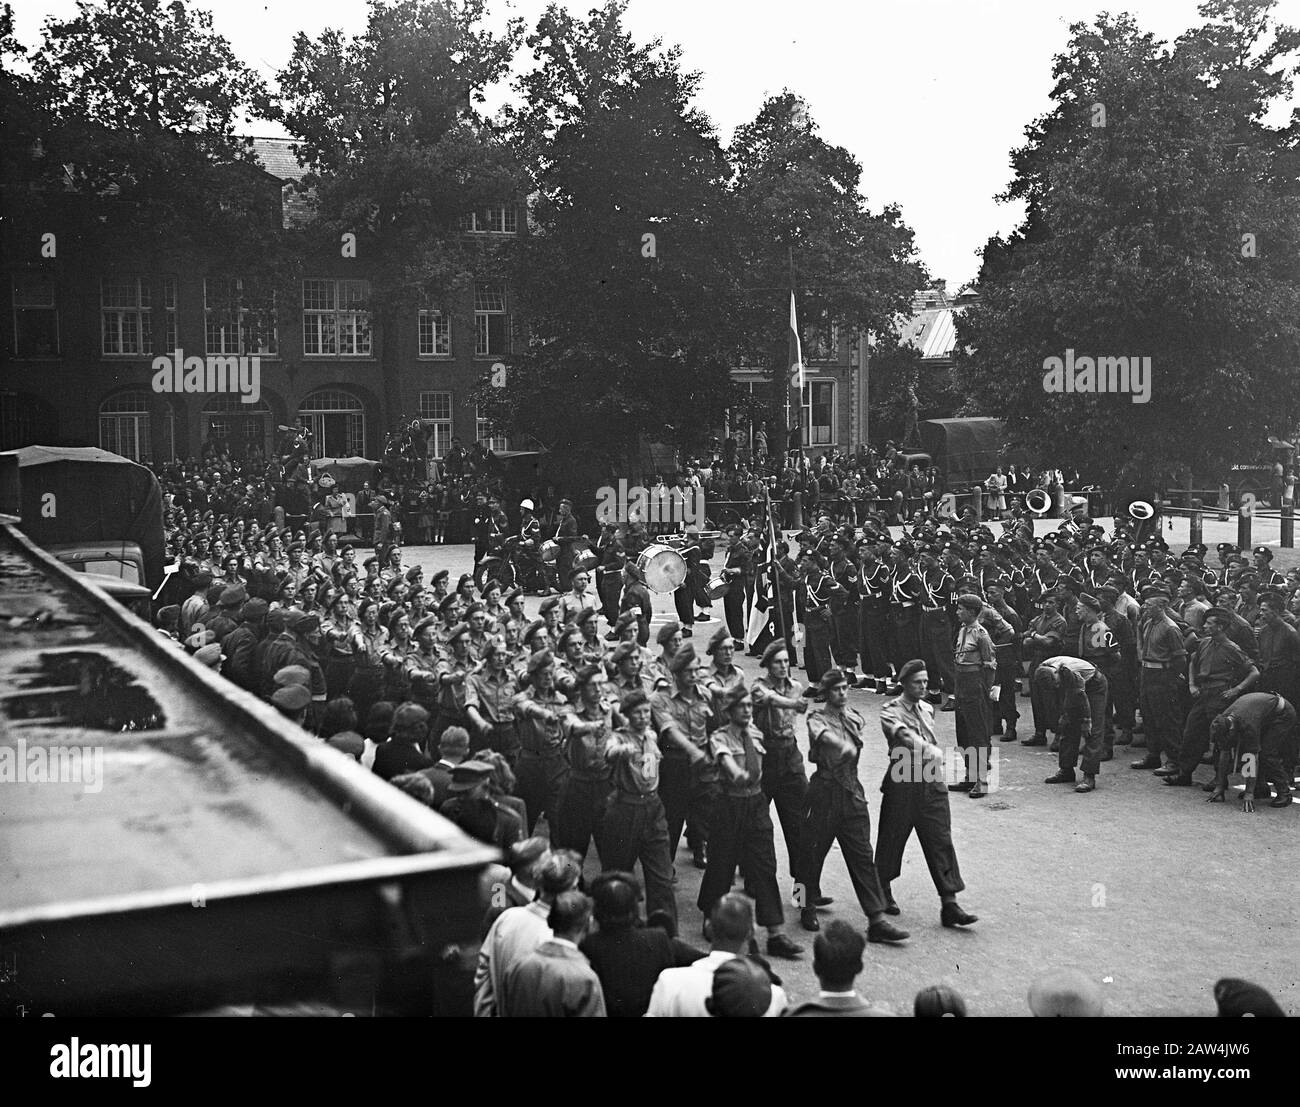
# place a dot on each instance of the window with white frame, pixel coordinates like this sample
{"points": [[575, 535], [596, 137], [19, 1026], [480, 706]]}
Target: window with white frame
{"points": [[36, 316], [491, 323], [435, 415], [499, 219], [335, 322], [822, 341], [169, 313], [126, 316], [819, 413], [125, 427], [483, 433], [435, 331], [232, 324], [337, 421]]}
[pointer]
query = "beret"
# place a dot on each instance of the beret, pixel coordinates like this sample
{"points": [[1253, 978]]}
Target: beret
{"points": [[291, 674], [549, 604], [774, 648], [733, 696], [584, 616], [302, 622], [445, 604], [540, 660], [511, 596], [209, 655], [458, 631], [441, 574], [570, 635], [1263, 551], [233, 596], [832, 678], [667, 631], [627, 619], [292, 697], [424, 624], [533, 628], [167, 616], [682, 658], [475, 608], [623, 651], [634, 699], [721, 637]]}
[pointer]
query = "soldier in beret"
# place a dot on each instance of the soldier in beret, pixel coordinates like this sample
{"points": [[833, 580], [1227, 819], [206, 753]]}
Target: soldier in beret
{"points": [[1164, 659], [684, 713], [837, 810], [543, 772], [586, 731], [740, 831]]}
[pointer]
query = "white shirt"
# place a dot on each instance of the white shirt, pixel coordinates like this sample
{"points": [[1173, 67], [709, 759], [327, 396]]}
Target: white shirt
{"points": [[680, 993]]}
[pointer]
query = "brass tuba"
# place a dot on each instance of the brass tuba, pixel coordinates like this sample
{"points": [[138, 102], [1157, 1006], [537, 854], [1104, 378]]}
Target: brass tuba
{"points": [[1038, 501]]}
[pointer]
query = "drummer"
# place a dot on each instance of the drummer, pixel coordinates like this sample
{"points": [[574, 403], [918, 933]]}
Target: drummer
{"points": [[581, 598], [635, 602]]}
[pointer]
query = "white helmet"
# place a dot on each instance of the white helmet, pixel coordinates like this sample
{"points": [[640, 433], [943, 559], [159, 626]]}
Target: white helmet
{"points": [[526, 505]]}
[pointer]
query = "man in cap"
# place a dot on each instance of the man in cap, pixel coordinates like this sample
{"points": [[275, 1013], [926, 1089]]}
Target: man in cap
{"points": [[669, 640], [635, 827], [937, 588], [636, 602], [542, 771], [740, 829], [489, 702], [292, 702], [1044, 638], [1256, 732], [815, 600], [586, 732], [565, 535], [688, 785], [976, 667], [1279, 649], [474, 807], [556, 980], [520, 930], [1268, 576], [530, 545], [296, 645], [875, 586], [1217, 673], [628, 675], [778, 699], [453, 672], [723, 675], [837, 809], [1164, 658], [915, 797], [226, 618]]}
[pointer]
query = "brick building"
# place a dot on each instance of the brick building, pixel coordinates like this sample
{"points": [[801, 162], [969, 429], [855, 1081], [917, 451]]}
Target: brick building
{"points": [[80, 339]]}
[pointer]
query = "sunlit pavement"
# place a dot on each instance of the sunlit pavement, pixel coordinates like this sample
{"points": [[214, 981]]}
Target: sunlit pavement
{"points": [[1149, 889]]}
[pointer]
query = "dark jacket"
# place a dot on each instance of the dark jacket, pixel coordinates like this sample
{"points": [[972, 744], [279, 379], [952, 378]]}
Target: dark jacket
{"points": [[629, 961]]}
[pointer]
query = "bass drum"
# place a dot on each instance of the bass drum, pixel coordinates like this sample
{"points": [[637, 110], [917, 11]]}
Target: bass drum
{"points": [[662, 568]]}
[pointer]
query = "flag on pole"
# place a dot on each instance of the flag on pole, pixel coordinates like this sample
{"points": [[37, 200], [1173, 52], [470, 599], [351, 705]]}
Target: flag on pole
{"points": [[794, 400]]}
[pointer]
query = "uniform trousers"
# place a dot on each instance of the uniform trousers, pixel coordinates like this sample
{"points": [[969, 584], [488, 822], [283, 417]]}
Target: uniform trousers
{"points": [[873, 634], [936, 649], [844, 636], [973, 725], [1041, 702], [636, 829], [688, 792], [366, 688], [921, 807], [502, 739], [833, 813], [786, 785], [733, 607], [682, 602], [1161, 700], [1186, 751], [583, 804], [905, 633], [540, 780], [609, 590], [1094, 741], [817, 644], [740, 833]]}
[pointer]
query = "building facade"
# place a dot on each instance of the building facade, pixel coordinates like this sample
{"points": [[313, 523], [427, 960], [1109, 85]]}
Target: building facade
{"points": [[80, 341]]}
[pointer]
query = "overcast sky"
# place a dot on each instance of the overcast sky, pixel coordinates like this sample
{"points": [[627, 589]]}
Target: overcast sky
{"points": [[930, 95]]}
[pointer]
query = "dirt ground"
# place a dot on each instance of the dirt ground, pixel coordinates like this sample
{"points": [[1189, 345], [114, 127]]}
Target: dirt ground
{"points": [[1148, 889]]}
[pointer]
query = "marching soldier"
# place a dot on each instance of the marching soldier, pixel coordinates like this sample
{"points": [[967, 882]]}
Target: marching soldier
{"points": [[777, 700], [684, 713], [636, 828], [915, 798], [489, 702], [740, 830], [585, 797], [453, 671], [542, 771], [837, 810], [976, 666]]}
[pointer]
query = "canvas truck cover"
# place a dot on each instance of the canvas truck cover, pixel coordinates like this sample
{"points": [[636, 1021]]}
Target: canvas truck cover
{"points": [[97, 497], [964, 449]]}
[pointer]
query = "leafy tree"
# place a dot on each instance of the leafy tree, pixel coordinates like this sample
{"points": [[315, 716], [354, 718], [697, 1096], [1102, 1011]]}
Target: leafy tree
{"points": [[807, 224], [137, 104], [1163, 233], [398, 152], [628, 281]]}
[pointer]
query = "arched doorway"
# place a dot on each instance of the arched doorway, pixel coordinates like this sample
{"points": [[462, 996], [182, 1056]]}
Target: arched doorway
{"points": [[337, 421], [243, 428], [125, 427]]}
